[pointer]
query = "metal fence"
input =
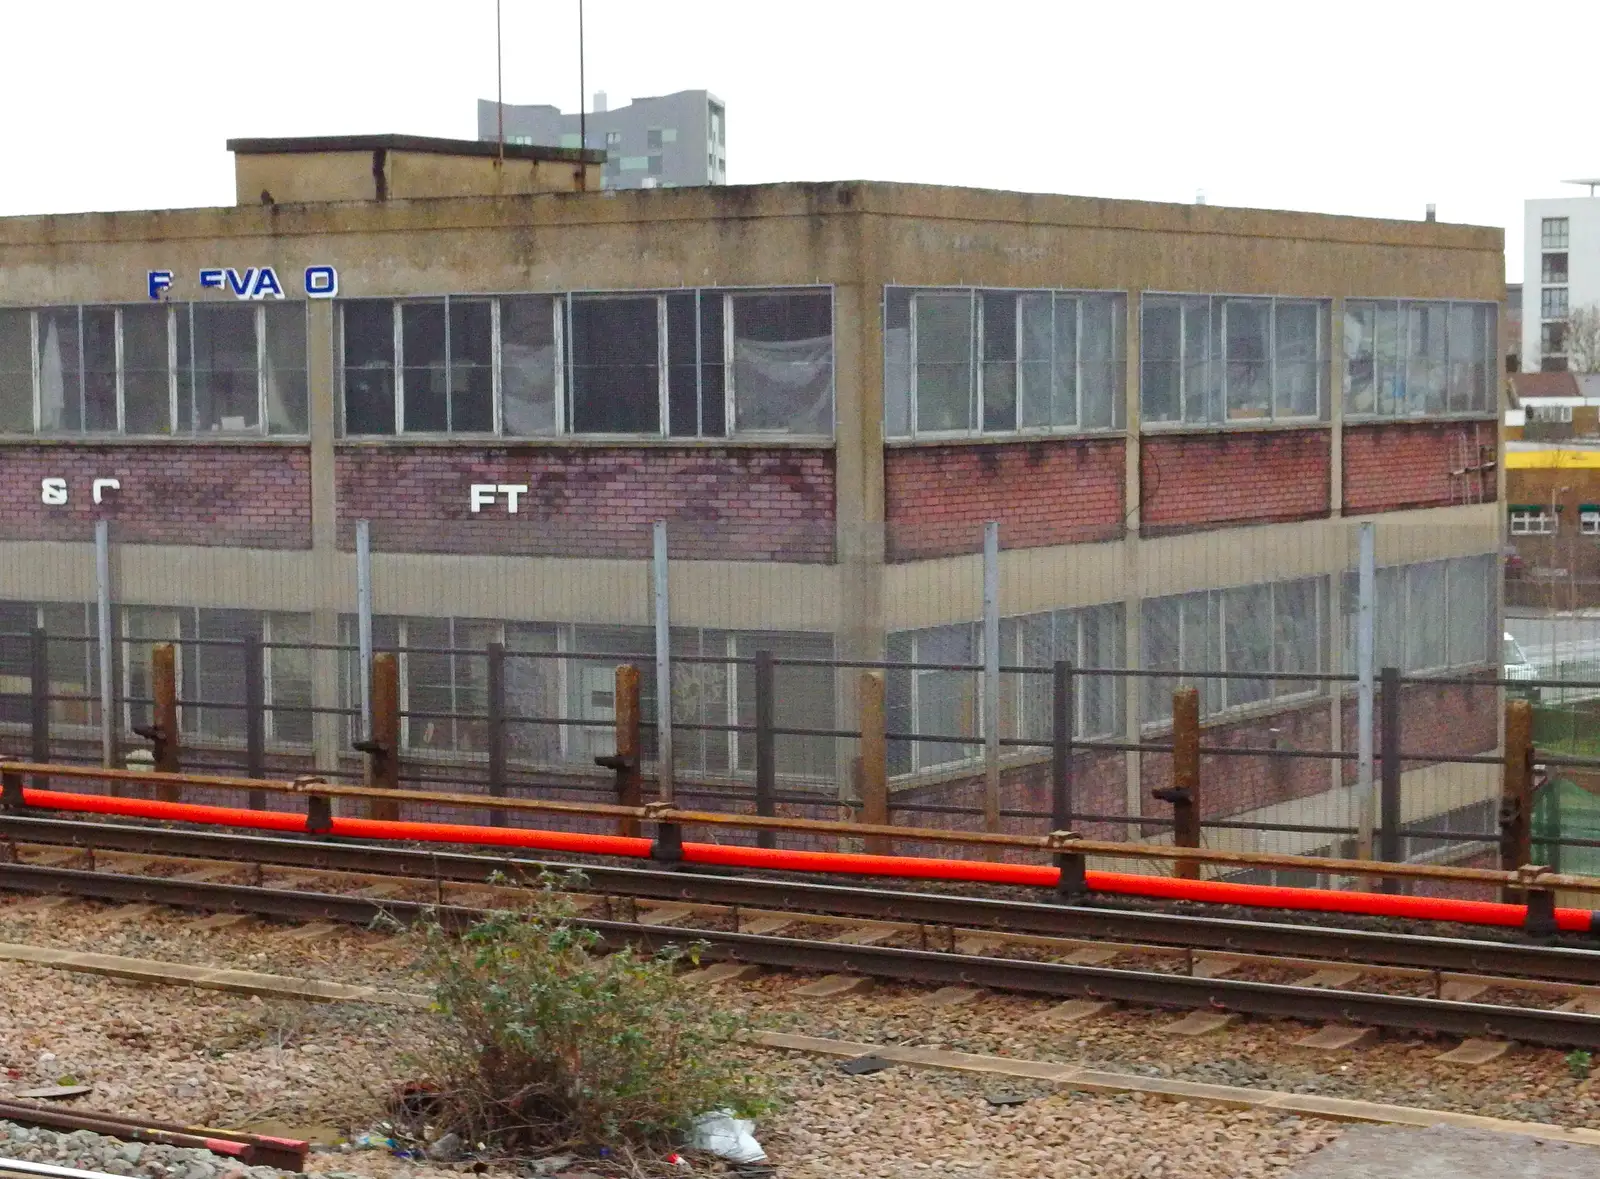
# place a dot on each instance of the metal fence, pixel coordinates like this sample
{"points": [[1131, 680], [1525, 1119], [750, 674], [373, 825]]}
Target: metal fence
{"points": [[508, 686]]}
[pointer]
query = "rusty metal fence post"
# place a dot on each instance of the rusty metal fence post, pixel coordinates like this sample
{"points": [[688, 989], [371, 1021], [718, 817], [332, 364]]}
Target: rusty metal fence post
{"points": [[383, 748], [625, 761], [766, 746], [162, 731], [495, 688], [1184, 793], [1072, 884], [39, 704], [1516, 792], [11, 797], [1389, 812], [874, 762], [255, 717]]}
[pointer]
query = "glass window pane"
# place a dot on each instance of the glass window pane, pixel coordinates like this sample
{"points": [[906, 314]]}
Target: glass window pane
{"points": [[100, 369], [1299, 359], [1425, 358], [896, 362], [1389, 622], [146, 386], [1360, 357], [533, 689], [999, 372], [225, 389], [1102, 361], [713, 370], [285, 375], [1037, 379], [288, 679], [944, 362], [1160, 633], [429, 694], [73, 663], [1471, 611], [471, 680], [1161, 360], [1297, 634], [616, 367], [217, 671], [901, 648], [142, 628], [1201, 646], [16, 372], [804, 700], [1247, 639], [1247, 357], [471, 366], [683, 377], [60, 390], [1389, 363], [946, 701], [368, 366], [783, 362], [1202, 349], [1100, 697], [528, 365], [1425, 620], [422, 359]]}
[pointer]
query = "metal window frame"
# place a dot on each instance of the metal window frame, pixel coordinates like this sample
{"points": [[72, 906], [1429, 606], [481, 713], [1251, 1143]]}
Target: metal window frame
{"points": [[730, 422], [976, 364], [1549, 227], [1403, 339]]}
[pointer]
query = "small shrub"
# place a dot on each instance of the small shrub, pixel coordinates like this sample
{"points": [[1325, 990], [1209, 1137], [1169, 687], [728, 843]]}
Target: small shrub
{"points": [[544, 1042], [1578, 1063]]}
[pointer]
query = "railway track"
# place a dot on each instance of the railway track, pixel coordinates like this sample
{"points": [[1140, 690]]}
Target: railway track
{"points": [[1540, 994]]}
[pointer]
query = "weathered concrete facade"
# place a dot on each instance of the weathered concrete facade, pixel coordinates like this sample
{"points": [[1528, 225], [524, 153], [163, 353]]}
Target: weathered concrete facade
{"points": [[846, 531]]}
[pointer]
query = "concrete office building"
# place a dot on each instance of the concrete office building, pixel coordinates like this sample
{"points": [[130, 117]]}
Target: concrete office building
{"points": [[1176, 414], [671, 141]]}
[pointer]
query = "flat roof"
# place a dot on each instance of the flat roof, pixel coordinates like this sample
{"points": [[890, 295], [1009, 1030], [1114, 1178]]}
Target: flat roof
{"points": [[418, 143]]}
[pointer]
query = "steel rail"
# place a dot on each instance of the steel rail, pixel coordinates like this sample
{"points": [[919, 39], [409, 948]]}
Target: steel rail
{"points": [[1171, 930], [1552, 1028]]}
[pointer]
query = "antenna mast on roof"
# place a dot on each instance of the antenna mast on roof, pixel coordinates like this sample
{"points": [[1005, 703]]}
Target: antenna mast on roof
{"points": [[583, 129], [499, 86]]}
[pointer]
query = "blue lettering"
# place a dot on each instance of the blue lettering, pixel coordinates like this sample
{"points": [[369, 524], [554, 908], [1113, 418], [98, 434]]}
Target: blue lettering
{"points": [[322, 282], [266, 283], [240, 284], [157, 282], [211, 280]]}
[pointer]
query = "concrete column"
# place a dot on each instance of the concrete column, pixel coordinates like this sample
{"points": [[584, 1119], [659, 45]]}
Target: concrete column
{"points": [[1335, 374], [1132, 687], [328, 731], [859, 475]]}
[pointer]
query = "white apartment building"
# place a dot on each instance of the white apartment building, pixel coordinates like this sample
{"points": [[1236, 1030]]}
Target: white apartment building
{"points": [[1561, 272]]}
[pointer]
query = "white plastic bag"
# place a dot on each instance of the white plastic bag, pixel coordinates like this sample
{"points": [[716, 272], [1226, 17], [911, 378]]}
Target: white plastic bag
{"points": [[722, 1134]]}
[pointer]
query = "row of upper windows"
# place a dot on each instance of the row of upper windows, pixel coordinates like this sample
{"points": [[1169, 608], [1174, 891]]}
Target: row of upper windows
{"points": [[719, 363]]}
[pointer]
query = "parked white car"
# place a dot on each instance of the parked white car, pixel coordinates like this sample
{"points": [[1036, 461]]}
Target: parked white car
{"points": [[1516, 666]]}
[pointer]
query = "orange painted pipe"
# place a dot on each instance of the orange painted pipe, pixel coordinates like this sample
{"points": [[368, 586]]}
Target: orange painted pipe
{"points": [[837, 863]]}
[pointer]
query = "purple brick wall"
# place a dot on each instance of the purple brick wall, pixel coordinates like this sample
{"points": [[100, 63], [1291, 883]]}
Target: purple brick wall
{"points": [[736, 503], [246, 496]]}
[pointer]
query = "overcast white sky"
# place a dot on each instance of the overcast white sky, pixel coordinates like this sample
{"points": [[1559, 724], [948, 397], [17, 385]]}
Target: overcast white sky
{"points": [[1373, 108]]}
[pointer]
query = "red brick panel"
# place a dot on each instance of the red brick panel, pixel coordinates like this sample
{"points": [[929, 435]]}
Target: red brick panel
{"points": [[1391, 466], [1042, 492], [1190, 481], [247, 496], [734, 503]]}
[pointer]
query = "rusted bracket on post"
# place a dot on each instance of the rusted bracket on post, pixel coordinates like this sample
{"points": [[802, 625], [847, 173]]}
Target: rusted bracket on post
{"points": [[319, 807], [667, 847], [11, 799], [1073, 884]]}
